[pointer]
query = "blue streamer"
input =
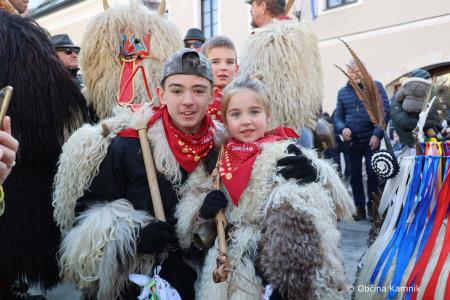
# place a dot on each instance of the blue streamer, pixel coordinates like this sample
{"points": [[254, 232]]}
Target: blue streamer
{"points": [[399, 230], [410, 240]]}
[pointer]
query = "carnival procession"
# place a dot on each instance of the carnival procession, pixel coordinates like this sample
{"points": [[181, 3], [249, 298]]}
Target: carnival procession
{"points": [[141, 163]]}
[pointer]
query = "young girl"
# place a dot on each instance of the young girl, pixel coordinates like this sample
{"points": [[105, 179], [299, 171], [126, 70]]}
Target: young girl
{"points": [[281, 232]]}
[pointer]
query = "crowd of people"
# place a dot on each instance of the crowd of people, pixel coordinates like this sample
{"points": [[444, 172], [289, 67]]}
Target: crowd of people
{"points": [[220, 144]]}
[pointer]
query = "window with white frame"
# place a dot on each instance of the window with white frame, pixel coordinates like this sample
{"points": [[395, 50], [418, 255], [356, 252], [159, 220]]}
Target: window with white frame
{"points": [[329, 4], [210, 17]]}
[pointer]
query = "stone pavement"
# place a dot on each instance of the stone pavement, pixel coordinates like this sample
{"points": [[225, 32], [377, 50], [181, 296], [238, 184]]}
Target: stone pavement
{"points": [[353, 245]]}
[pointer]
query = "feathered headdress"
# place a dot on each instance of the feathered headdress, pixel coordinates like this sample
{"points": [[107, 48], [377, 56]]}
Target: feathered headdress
{"points": [[368, 93], [383, 163]]}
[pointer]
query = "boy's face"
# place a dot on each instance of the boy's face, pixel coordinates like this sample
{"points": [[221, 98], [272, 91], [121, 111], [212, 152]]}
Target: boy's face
{"points": [[187, 98], [246, 118], [224, 65]]}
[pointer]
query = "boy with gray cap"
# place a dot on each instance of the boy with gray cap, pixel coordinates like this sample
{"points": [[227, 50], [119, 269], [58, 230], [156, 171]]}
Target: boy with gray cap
{"points": [[115, 208]]}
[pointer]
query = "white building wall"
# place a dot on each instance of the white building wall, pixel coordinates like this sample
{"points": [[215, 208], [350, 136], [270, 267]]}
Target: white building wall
{"points": [[391, 37]]}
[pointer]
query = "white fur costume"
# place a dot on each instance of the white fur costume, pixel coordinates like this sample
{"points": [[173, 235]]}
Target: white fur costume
{"points": [[289, 61], [99, 247], [100, 51], [267, 192]]}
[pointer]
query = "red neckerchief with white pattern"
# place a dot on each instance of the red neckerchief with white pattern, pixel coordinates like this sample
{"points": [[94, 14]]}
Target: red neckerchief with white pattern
{"points": [[237, 162], [215, 106], [188, 149]]}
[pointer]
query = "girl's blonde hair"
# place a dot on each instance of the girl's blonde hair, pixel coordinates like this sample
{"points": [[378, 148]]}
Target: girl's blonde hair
{"points": [[253, 83]]}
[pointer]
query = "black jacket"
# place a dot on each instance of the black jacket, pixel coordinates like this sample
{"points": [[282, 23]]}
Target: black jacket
{"points": [[122, 175]]}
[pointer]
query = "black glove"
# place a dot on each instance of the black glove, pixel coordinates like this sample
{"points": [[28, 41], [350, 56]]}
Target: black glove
{"points": [[156, 237], [214, 201], [297, 167]]}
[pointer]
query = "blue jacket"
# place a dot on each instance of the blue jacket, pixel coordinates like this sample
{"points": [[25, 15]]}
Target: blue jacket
{"points": [[351, 113]]}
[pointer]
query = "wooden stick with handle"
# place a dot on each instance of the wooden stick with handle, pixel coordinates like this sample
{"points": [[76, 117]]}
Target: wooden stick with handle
{"points": [[220, 274], [150, 170]]}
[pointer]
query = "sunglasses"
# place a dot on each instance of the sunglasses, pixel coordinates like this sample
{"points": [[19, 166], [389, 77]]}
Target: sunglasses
{"points": [[69, 51], [196, 44]]}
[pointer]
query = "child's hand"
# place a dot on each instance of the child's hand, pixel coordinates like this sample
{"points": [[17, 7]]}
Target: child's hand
{"points": [[297, 167], [214, 201]]}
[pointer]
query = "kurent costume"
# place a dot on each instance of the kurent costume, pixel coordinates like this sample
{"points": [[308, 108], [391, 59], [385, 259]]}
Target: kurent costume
{"points": [[45, 108], [288, 58], [144, 38], [281, 232], [410, 258], [98, 250]]}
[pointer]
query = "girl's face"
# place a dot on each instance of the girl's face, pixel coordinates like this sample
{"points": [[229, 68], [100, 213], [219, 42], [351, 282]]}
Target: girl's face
{"points": [[246, 117]]}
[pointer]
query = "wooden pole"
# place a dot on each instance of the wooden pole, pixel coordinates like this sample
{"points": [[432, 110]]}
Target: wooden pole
{"points": [[220, 274], [151, 173], [221, 222]]}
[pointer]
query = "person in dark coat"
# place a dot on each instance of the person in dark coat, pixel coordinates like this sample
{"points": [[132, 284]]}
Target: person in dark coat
{"points": [[353, 123], [407, 104]]}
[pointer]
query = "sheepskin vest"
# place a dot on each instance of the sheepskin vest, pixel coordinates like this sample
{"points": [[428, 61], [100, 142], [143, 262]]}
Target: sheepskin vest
{"points": [[98, 219], [282, 233]]}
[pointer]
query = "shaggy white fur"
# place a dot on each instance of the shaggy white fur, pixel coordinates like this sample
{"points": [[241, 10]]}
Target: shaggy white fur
{"points": [[267, 190], [97, 254], [99, 56], [106, 233], [329, 178], [79, 163], [193, 192], [288, 58]]}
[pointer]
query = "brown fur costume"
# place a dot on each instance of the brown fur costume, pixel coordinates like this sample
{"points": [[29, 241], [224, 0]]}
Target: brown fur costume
{"points": [[291, 279], [45, 108]]}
